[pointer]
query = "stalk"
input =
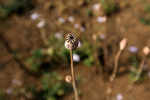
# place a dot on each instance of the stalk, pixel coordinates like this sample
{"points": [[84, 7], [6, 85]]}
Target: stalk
{"points": [[116, 65], [140, 70], [73, 78]]}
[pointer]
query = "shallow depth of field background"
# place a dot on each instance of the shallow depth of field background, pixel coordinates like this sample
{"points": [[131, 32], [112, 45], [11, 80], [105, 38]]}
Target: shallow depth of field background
{"points": [[34, 61]]}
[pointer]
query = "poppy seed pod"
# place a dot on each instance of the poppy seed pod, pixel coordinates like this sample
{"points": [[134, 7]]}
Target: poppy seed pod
{"points": [[71, 41], [123, 44]]}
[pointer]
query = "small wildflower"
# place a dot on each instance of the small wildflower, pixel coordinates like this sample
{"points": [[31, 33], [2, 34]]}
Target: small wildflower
{"points": [[58, 35], [146, 50], [82, 29], [96, 7], [41, 24], [9, 91], [123, 44], [76, 26], [79, 44], [133, 49], [76, 58], [71, 19], [119, 97], [102, 36], [16, 82], [61, 20], [68, 79], [101, 19], [35, 16]]}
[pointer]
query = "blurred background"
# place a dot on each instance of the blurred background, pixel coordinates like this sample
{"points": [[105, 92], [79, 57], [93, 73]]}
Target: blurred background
{"points": [[34, 61]]}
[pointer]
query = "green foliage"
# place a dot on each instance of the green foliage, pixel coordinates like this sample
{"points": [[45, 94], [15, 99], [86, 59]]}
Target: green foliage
{"points": [[31, 88], [57, 55], [145, 21], [15, 6], [2, 95], [4, 12], [109, 6], [134, 73], [54, 55], [60, 55], [89, 12], [147, 8], [86, 53], [53, 86], [89, 61], [35, 60], [134, 61]]}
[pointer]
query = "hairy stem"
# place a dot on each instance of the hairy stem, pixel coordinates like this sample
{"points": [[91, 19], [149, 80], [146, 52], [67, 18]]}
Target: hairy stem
{"points": [[73, 78]]}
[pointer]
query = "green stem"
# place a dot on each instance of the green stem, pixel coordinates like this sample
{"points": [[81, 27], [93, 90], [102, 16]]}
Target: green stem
{"points": [[140, 70]]}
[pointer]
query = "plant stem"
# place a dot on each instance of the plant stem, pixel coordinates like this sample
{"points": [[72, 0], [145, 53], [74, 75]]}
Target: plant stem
{"points": [[73, 78], [140, 69], [43, 36], [109, 89], [116, 65]]}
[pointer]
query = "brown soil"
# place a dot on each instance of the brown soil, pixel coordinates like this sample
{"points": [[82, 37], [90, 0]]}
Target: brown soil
{"points": [[19, 33]]}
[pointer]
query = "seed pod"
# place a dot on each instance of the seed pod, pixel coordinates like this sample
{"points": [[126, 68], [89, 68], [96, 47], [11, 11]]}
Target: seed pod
{"points": [[71, 41]]}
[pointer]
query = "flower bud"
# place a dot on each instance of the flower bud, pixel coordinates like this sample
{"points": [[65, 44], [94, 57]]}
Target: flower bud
{"points": [[146, 50], [123, 44], [68, 79]]}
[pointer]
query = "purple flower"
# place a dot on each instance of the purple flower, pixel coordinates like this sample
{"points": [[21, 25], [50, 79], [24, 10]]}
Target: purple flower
{"points": [[101, 19], [35, 16], [119, 97], [9, 91], [102, 36], [133, 49]]}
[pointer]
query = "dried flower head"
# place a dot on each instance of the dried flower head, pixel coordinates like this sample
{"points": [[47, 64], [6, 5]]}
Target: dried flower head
{"points": [[68, 79], [71, 41], [146, 50], [123, 44]]}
